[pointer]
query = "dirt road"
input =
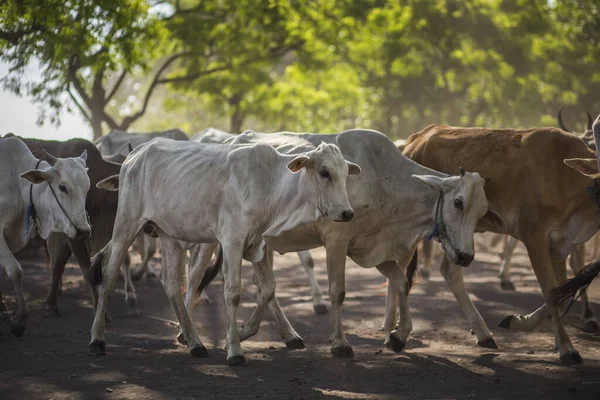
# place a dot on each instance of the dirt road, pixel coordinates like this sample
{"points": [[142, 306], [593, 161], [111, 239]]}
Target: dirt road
{"points": [[441, 359]]}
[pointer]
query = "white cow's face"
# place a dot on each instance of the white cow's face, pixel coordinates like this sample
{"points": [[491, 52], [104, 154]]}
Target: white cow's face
{"points": [[464, 203], [69, 180], [327, 171]]}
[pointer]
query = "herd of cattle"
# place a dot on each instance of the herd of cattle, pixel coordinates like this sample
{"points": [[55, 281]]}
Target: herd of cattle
{"points": [[245, 196]]}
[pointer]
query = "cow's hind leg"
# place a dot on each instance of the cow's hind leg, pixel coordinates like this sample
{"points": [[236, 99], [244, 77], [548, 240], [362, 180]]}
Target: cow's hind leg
{"points": [[58, 252], [504, 275], [170, 276], [232, 272], [454, 278], [147, 250], [396, 339], [15, 274], [426, 251], [265, 283], [577, 262], [315, 291]]}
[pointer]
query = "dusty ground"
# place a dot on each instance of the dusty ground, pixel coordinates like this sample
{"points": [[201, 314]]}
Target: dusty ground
{"points": [[441, 359]]}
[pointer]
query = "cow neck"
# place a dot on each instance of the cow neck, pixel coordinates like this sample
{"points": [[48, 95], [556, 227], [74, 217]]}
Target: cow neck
{"points": [[31, 214]]}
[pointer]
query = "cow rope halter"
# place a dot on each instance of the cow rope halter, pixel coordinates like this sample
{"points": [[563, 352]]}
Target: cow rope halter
{"points": [[439, 227], [32, 213]]}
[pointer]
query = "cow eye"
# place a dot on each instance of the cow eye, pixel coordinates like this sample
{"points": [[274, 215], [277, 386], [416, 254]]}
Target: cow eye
{"points": [[458, 204], [62, 188], [324, 174]]}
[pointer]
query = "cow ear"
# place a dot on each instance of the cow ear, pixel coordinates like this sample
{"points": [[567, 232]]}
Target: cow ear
{"points": [[433, 181], [36, 176], [298, 163], [111, 183], [353, 169], [585, 166], [129, 147], [83, 156], [493, 219], [49, 158]]}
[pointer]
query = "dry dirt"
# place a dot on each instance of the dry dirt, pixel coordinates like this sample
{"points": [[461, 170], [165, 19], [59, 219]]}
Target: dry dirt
{"points": [[441, 359]]}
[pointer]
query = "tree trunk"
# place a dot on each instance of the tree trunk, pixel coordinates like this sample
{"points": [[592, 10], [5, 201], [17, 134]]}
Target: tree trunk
{"points": [[237, 119]]}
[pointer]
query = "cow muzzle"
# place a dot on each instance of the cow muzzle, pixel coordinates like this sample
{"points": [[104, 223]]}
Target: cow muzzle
{"points": [[345, 216], [81, 234], [463, 259]]}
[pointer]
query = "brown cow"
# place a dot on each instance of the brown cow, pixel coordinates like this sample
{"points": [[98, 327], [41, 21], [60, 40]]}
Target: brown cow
{"points": [[101, 206], [544, 203]]}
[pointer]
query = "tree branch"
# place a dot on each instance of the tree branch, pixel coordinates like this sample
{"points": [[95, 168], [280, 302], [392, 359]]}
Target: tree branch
{"points": [[116, 86], [14, 37], [85, 114]]}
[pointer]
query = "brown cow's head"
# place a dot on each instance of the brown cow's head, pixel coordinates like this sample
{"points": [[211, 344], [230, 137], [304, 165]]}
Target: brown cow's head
{"points": [[588, 166]]}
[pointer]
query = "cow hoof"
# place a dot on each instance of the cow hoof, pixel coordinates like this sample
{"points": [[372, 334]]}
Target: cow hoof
{"points": [[396, 344], [342, 351], [591, 327], [505, 323], [237, 360], [199, 351], [424, 273], [181, 339], [17, 330], [320, 309], [295, 343], [507, 285], [488, 343], [130, 301], [97, 348], [571, 358]]}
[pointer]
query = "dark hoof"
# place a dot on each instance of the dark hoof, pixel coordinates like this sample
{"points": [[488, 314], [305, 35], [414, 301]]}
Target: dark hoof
{"points": [[488, 343], [591, 327], [237, 360], [571, 358], [396, 344], [97, 348], [505, 323], [507, 285], [342, 352], [320, 309], [424, 273], [295, 343], [199, 351], [16, 330], [181, 339]]}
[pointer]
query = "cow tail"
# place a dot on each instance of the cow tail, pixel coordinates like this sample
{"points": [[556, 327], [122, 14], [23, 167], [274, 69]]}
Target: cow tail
{"points": [[211, 271], [581, 281], [98, 265], [411, 271]]}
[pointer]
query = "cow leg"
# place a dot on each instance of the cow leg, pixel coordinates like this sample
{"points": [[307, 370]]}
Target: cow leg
{"points": [[148, 248], [504, 275], [110, 260], [426, 251], [170, 276], [398, 283], [232, 272], [58, 252], [336, 272], [265, 283], [577, 262], [544, 268], [315, 291], [199, 260], [15, 274], [390, 319], [454, 278], [129, 288]]}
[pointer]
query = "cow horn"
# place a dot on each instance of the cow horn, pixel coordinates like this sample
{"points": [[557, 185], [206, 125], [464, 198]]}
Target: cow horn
{"points": [[596, 130], [49, 158], [129, 147], [590, 121], [561, 124], [461, 170]]}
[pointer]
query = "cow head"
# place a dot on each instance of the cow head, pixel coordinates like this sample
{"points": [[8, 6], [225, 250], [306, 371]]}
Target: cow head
{"points": [[60, 204], [327, 170], [588, 166], [461, 202]]}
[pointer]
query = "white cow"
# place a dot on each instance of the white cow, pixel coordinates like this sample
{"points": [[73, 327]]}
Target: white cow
{"points": [[46, 195], [206, 193], [397, 202]]}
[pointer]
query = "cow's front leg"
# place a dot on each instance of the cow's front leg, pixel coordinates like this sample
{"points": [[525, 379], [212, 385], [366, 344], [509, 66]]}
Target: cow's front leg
{"points": [[397, 282], [454, 278], [15, 274], [59, 253], [504, 274], [336, 272], [577, 262], [232, 272], [315, 291]]}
